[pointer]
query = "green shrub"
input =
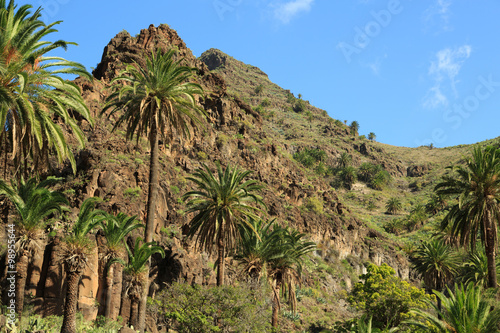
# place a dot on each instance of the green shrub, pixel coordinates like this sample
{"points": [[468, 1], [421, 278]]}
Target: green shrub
{"points": [[132, 192], [265, 103], [386, 297], [315, 204], [202, 156], [175, 189], [187, 308]]}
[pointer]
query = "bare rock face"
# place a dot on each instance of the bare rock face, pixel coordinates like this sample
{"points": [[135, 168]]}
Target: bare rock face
{"points": [[418, 170]]}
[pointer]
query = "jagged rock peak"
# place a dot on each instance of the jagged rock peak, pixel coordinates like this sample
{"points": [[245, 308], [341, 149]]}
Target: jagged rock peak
{"points": [[214, 58], [124, 48]]}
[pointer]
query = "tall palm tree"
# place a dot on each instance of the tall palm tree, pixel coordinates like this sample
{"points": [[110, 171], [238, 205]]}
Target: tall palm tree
{"points": [[157, 101], [284, 266], [221, 205], [267, 248], [78, 247], [136, 271], [437, 264], [115, 229], [32, 92], [372, 136], [464, 311], [34, 204], [477, 212]]}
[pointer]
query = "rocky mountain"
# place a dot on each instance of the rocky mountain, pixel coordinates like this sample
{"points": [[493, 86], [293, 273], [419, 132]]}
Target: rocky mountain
{"points": [[252, 123]]}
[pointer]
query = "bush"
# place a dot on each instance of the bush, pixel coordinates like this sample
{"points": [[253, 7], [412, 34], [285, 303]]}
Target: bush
{"points": [[386, 297], [189, 309], [132, 193], [265, 103], [315, 204]]}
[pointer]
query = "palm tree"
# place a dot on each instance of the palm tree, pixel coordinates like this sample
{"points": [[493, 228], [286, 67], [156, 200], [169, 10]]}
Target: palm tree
{"points": [[437, 264], [32, 93], [477, 212], [464, 311], [435, 204], [284, 266], [393, 206], [256, 247], [136, 271], [475, 269], [372, 136], [115, 229], [354, 127], [348, 177], [78, 247], [344, 160], [221, 205], [157, 101], [34, 204]]}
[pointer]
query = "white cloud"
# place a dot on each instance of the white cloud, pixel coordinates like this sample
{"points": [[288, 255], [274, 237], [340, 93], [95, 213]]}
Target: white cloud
{"points": [[444, 71], [286, 11], [441, 9]]}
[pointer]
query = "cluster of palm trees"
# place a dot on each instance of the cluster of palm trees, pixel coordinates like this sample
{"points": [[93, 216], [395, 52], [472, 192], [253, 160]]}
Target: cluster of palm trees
{"points": [[472, 217], [156, 100], [36, 206], [225, 217]]}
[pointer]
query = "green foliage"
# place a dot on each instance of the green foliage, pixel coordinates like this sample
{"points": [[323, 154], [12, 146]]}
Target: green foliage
{"points": [[265, 103], [385, 297], [299, 105], [393, 206], [465, 310], [132, 192], [195, 309], [372, 136], [395, 226], [310, 156], [475, 269], [374, 175], [258, 90], [354, 128], [175, 189], [436, 262], [202, 156], [315, 204], [347, 177]]}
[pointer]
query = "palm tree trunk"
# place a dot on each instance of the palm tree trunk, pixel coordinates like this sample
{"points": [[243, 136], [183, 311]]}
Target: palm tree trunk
{"points": [[221, 256], [22, 273], [490, 251], [117, 293], [69, 321], [109, 291], [134, 307], [276, 304], [151, 210]]}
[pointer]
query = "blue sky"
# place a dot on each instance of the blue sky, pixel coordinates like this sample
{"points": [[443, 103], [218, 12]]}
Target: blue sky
{"points": [[412, 72]]}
